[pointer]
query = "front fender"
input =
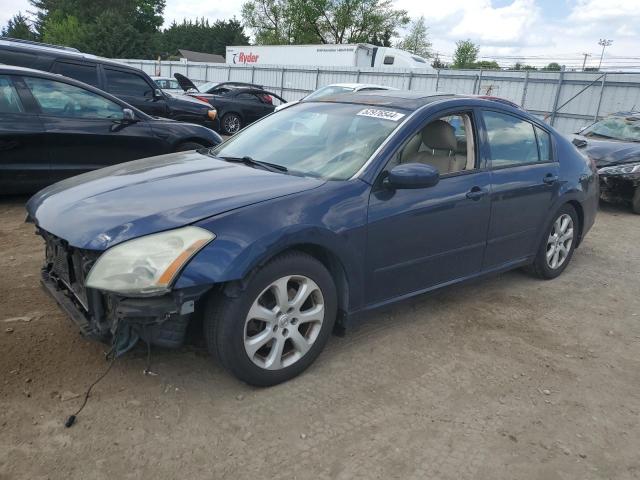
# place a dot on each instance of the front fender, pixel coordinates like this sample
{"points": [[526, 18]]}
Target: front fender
{"points": [[332, 219]]}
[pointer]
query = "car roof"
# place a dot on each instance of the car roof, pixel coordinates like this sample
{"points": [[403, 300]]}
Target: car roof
{"points": [[412, 100], [60, 52], [359, 85], [407, 100]]}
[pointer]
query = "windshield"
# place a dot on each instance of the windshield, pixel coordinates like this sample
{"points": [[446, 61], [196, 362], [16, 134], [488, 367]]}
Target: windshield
{"points": [[617, 128], [327, 140], [205, 87], [326, 91]]}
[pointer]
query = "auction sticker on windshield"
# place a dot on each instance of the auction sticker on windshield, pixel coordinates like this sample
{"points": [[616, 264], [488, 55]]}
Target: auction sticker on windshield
{"points": [[384, 114]]}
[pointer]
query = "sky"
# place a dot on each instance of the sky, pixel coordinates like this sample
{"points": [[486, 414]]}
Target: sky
{"points": [[530, 31]]}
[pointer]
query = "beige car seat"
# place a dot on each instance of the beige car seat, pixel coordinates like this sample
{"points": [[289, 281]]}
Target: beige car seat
{"points": [[436, 145]]}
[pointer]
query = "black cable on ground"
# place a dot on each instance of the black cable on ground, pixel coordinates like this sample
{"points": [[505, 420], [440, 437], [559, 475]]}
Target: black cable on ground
{"points": [[72, 418]]}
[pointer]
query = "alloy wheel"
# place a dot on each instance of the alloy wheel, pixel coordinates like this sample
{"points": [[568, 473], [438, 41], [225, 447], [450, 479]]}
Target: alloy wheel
{"points": [[232, 124], [559, 241], [283, 322]]}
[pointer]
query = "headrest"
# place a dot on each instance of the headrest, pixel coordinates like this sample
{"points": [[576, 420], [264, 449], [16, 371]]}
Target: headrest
{"points": [[439, 135]]}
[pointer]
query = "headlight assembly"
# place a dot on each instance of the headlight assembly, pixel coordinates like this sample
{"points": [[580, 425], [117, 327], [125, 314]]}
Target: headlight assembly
{"points": [[147, 265], [623, 169]]}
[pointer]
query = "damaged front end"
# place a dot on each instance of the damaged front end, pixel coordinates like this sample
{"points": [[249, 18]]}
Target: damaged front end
{"points": [[620, 183], [110, 317]]}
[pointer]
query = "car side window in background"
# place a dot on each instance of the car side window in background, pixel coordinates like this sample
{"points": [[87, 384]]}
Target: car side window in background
{"points": [[83, 73], [512, 141], [446, 143], [64, 100], [9, 100], [544, 145], [125, 83], [388, 60]]}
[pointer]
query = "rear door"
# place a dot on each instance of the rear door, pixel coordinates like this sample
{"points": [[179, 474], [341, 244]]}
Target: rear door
{"points": [[251, 106], [524, 185], [85, 130], [24, 164], [135, 90]]}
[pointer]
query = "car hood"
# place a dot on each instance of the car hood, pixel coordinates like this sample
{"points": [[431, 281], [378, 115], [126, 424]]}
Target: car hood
{"points": [[607, 152], [99, 209], [184, 82]]}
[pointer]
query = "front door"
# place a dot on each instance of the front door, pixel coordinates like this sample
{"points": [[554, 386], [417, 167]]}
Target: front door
{"points": [[421, 238], [135, 90], [85, 131], [524, 180]]}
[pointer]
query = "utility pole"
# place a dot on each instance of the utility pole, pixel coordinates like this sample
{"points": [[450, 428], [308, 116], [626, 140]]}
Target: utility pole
{"points": [[604, 43], [584, 62]]}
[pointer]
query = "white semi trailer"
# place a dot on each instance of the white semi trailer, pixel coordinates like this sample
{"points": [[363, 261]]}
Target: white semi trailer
{"points": [[351, 55]]}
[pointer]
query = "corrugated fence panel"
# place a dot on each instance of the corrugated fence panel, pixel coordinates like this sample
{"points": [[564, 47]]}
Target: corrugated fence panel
{"points": [[568, 100]]}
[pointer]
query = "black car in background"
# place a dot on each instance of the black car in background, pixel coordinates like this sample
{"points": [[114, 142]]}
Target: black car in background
{"points": [[53, 127], [238, 104], [613, 144], [123, 81]]}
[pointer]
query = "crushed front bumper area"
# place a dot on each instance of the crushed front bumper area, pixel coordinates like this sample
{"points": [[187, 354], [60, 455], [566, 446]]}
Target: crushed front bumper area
{"points": [[112, 318], [619, 188]]}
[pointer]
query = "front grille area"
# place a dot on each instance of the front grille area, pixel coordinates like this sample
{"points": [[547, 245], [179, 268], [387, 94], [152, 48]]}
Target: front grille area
{"points": [[69, 265]]}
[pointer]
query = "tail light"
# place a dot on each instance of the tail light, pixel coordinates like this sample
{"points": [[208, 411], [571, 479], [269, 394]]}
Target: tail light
{"points": [[202, 99], [267, 99]]}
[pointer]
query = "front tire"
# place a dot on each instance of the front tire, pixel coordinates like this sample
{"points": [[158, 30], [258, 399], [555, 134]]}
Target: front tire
{"points": [[278, 325], [558, 244], [231, 123]]}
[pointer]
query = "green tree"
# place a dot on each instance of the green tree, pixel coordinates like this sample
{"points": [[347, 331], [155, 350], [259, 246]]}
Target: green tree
{"points": [[553, 67], [416, 40], [65, 30], [19, 26], [438, 64], [486, 65], [465, 55], [201, 36], [522, 66], [322, 21]]}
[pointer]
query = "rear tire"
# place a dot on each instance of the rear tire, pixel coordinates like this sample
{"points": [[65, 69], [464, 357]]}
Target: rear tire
{"points": [[186, 146], [277, 325], [635, 201], [231, 123], [558, 244]]}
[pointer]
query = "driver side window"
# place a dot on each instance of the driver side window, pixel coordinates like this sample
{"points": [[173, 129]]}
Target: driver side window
{"points": [[64, 100], [446, 143]]}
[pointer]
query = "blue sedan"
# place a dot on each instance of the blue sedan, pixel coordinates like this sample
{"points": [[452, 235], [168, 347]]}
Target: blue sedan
{"points": [[309, 218]]}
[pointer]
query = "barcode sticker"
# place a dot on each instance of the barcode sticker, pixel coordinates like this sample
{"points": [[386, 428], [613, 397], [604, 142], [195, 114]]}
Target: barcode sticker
{"points": [[384, 114]]}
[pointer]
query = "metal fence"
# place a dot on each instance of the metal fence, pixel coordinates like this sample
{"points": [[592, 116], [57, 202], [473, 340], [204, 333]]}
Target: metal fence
{"points": [[566, 100]]}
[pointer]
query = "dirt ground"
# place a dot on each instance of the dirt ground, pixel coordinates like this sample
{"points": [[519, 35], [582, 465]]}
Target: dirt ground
{"points": [[508, 378]]}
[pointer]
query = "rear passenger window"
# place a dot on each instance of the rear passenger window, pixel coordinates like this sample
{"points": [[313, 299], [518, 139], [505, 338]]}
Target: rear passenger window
{"points": [[388, 60], [511, 141], [83, 73], [9, 100], [125, 83], [544, 145]]}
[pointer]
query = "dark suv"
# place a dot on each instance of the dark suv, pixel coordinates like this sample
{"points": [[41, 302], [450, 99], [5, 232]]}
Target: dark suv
{"points": [[127, 83]]}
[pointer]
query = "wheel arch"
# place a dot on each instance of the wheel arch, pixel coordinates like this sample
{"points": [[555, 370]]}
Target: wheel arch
{"points": [[329, 259]]}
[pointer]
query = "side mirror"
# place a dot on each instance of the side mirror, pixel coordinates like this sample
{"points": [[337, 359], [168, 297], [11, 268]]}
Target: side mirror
{"points": [[412, 175], [157, 93], [128, 116]]}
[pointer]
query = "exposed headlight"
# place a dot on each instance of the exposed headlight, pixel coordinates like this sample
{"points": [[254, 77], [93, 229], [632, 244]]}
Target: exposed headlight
{"points": [[620, 169], [212, 114], [147, 265]]}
